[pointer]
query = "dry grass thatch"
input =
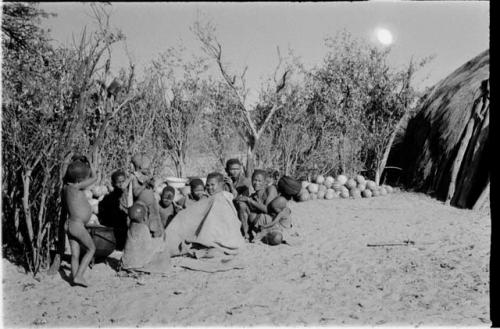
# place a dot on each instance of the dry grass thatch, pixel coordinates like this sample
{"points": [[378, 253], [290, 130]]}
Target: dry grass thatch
{"points": [[444, 148]]}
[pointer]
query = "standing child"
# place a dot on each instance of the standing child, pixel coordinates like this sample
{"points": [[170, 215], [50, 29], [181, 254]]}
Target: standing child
{"points": [[77, 179]]}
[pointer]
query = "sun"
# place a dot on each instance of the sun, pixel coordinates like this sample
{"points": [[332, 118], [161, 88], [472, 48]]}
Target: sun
{"points": [[384, 36]]}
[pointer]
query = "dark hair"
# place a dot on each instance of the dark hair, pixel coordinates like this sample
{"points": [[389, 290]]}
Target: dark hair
{"points": [[217, 176], [168, 189], [196, 182], [231, 162], [259, 172], [76, 172], [116, 174]]}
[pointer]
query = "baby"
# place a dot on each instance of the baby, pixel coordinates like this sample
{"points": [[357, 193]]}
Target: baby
{"points": [[79, 176]]}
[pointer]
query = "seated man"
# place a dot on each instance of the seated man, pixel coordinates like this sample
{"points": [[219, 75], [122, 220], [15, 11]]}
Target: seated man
{"points": [[113, 208], [168, 207], [236, 182], [251, 210]]}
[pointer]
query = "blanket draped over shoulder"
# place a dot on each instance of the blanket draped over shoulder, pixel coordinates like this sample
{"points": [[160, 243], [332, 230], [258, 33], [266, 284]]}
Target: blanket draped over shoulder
{"points": [[211, 223]]}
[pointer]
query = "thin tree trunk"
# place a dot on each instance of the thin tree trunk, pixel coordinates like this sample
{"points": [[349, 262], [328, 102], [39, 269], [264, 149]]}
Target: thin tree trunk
{"points": [[385, 157]]}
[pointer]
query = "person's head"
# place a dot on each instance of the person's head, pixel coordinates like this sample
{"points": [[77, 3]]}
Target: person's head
{"points": [[118, 179], [141, 163], [273, 238], [137, 212], [259, 179], [276, 206], [77, 171], [167, 196], [197, 188], [233, 168], [215, 182]]}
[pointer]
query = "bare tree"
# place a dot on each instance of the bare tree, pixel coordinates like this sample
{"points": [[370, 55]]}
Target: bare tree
{"points": [[213, 48]]}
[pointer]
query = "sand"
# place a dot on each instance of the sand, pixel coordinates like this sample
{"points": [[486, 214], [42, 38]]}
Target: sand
{"points": [[327, 276]]}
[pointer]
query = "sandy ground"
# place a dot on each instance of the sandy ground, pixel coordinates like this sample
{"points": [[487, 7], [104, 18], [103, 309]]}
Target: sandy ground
{"points": [[328, 276]]}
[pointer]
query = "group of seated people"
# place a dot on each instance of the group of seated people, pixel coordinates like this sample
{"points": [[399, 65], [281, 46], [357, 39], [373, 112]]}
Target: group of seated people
{"points": [[260, 204]]}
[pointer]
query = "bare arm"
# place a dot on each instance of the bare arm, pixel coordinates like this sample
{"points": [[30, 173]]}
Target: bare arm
{"points": [[136, 187], [285, 213], [86, 183]]}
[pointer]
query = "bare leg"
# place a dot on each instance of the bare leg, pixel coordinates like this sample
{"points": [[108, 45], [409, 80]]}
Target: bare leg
{"points": [[75, 255], [78, 231], [243, 212]]}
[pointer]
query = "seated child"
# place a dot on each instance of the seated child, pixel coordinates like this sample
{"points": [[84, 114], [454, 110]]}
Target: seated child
{"points": [[215, 184], [272, 233], [168, 207], [252, 209], [197, 192], [153, 220], [79, 176]]}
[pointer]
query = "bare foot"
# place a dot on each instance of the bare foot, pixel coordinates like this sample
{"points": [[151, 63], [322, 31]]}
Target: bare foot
{"points": [[80, 282]]}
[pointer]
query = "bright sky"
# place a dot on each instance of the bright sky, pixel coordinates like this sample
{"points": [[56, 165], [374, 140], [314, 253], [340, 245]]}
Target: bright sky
{"points": [[453, 31]]}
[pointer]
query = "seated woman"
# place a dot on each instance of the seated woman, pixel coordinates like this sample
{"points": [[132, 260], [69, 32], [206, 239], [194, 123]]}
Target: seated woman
{"points": [[252, 210], [113, 208], [210, 223]]}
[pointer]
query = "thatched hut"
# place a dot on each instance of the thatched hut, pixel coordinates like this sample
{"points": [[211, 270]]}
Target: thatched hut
{"points": [[443, 150]]}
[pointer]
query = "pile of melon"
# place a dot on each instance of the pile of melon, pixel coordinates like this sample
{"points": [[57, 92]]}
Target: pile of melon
{"points": [[343, 187]]}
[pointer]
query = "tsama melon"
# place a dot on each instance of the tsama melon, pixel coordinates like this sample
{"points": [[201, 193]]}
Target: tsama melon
{"points": [[313, 196], [304, 184], [366, 193], [304, 195], [337, 186], [361, 187], [344, 189], [383, 191], [389, 189], [88, 194], [370, 185], [360, 179], [350, 184], [330, 194], [376, 192], [342, 179], [322, 188], [94, 205], [321, 194], [344, 194], [320, 179], [355, 193], [329, 180], [313, 188]]}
